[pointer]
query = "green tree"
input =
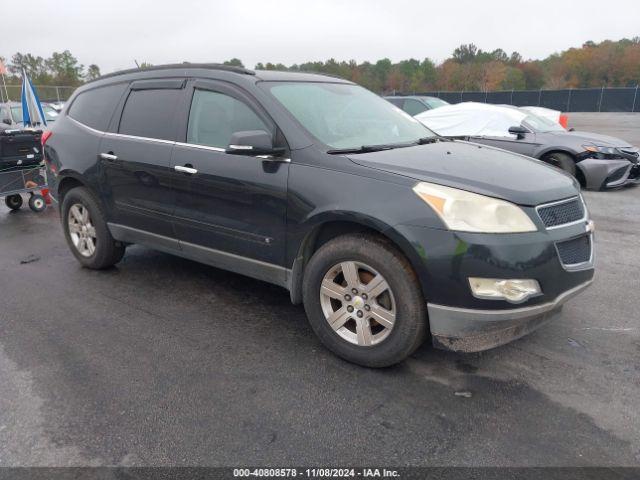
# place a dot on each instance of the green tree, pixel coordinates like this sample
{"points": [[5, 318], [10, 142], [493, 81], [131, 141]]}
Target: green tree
{"points": [[234, 62], [513, 79], [93, 72], [64, 68], [381, 70], [465, 53], [35, 67]]}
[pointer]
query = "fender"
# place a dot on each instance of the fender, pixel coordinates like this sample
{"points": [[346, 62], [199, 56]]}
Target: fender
{"points": [[344, 222]]}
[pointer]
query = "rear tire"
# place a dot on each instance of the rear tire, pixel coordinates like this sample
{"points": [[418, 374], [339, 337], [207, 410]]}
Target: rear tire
{"points": [[373, 326], [86, 231], [562, 161], [14, 202]]}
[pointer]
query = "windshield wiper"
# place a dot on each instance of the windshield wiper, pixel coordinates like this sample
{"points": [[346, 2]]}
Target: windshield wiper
{"points": [[389, 146], [432, 139], [366, 149]]}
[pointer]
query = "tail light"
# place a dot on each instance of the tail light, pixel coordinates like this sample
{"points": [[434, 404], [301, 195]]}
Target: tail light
{"points": [[564, 120], [46, 135]]}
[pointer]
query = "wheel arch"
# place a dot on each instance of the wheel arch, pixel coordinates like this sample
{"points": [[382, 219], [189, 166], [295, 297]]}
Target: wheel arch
{"points": [[329, 227], [548, 151], [69, 180], [579, 172]]}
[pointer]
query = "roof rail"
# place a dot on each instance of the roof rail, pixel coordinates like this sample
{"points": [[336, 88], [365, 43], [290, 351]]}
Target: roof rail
{"points": [[209, 66]]}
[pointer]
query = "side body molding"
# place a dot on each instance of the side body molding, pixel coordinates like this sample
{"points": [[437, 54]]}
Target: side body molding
{"points": [[266, 272]]}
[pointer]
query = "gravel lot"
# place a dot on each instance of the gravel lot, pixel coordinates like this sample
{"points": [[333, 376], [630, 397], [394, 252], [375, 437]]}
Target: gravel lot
{"points": [[162, 361]]}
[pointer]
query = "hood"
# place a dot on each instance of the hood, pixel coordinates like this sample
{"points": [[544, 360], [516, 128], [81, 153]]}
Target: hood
{"points": [[480, 169], [592, 138]]}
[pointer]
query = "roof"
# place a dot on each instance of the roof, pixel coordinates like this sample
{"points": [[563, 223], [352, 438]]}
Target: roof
{"points": [[265, 75], [179, 66]]}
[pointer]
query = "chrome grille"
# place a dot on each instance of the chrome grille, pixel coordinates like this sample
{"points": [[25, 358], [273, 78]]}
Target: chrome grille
{"points": [[575, 251], [561, 213]]}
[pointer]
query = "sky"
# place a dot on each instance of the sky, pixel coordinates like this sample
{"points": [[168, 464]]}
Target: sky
{"points": [[115, 33]]}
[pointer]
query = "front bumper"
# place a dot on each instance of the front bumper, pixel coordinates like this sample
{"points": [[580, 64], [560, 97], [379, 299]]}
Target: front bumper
{"points": [[445, 260], [602, 174], [471, 330]]}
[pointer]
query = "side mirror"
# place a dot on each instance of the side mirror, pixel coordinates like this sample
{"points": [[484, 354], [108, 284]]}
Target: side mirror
{"points": [[519, 131], [252, 142], [7, 121]]}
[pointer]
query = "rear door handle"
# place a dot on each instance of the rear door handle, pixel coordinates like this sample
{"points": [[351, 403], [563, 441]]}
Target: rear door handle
{"points": [[110, 157], [189, 170]]}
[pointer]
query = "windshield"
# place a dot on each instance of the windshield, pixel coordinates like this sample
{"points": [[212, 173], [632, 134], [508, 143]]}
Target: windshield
{"points": [[434, 102], [541, 124], [49, 113], [347, 116]]}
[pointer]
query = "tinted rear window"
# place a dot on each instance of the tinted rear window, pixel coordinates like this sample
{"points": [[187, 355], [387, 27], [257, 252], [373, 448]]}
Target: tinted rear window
{"points": [[413, 107], [150, 113], [94, 108]]}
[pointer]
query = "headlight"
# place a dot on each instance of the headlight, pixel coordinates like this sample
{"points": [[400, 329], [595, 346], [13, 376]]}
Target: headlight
{"points": [[599, 149], [470, 212]]}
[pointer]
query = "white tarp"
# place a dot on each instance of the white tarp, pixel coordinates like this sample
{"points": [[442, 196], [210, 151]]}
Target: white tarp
{"points": [[472, 119]]}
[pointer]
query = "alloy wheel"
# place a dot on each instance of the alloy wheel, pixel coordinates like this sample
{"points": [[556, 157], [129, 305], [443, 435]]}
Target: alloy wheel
{"points": [[358, 303], [81, 230]]}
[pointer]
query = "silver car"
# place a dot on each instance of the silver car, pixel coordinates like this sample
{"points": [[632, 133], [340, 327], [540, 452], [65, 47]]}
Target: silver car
{"points": [[598, 161], [11, 114]]}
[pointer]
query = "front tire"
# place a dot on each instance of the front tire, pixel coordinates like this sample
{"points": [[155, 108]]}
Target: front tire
{"points": [[364, 301], [86, 231], [562, 161]]}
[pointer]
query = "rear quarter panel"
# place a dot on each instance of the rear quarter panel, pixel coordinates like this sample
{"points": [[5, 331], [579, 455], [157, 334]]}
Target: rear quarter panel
{"points": [[72, 151]]}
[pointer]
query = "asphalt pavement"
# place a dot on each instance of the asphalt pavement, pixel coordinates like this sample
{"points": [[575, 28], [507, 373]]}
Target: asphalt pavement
{"points": [[163, 361]]}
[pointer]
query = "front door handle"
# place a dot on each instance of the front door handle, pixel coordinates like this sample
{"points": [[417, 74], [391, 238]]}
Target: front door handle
{"points": [[185, 169], [109, 157]]}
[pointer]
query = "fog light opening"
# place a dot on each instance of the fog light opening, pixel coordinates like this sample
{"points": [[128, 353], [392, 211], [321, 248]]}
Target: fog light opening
{"points": [[511, 290]]}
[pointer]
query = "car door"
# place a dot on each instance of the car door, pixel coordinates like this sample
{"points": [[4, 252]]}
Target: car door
{"points": [[524, 144], [230, 208], [135, 158]]}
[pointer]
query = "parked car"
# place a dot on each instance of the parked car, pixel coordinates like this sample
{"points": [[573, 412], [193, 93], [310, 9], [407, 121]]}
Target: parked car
{"points": [[550, 114], [598, 161], [11, 114], [57, 106], [385, 231], [416, 104]]}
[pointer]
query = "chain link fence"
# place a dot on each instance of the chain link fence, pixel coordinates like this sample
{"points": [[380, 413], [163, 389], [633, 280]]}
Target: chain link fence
{"points": [[606, 99], [46, 93]]}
